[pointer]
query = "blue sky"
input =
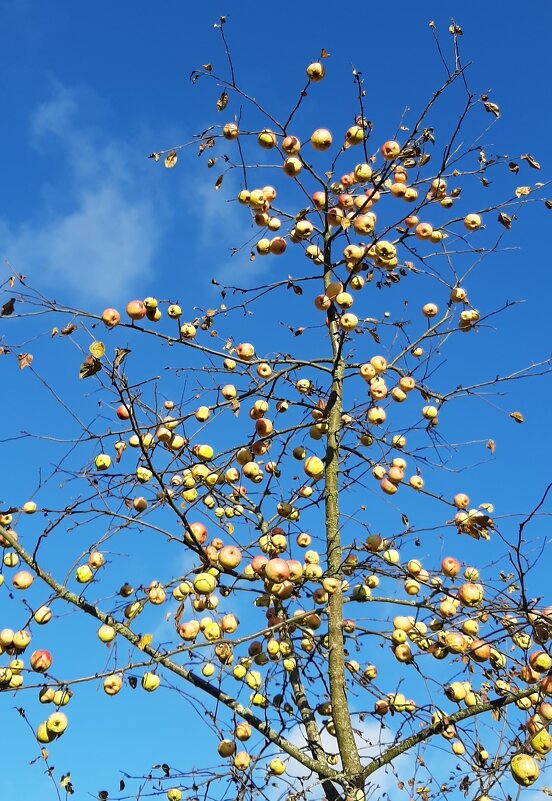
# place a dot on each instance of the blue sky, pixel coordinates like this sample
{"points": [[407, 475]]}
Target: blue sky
{"points": [[88, 94]]}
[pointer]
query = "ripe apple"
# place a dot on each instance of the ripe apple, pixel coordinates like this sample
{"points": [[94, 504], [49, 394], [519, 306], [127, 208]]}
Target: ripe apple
{"points": [[22, 580], [267, 139], [41, 660], [111, 317], [112, 684], [390, 150], [314, 467], [229, 557], [136, 309], [84, 574], [277, 767], [321, 139], [42, 615], [316, 71], [230, 130], [102, 461], [354, 135], [150, 682], [226, 748], [524, 769], [174, 794], [430, 310], [56, 723], [106, 633], [472, 222], [242, 760], [276, 570], [44, 735]]}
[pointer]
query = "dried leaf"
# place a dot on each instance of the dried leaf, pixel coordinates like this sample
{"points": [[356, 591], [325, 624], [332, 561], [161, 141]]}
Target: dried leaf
{"points": [[103, 795], [517, 416], [492, 108], [25, 360], [44, 754], [207, 67], [97, 349], [8, 307], [513, 167], [89, 367], [155, 156], [54, 332], [548, 204], [521, 191], [491, 445], [324, 53], [120, 356], [222, 102], [133, 682], [505, 219], [235, 406], [119, 450], [69, 328], [455, 29], [218, 182], [171, 159], [488, 507], [145, 639], [532, 162]]}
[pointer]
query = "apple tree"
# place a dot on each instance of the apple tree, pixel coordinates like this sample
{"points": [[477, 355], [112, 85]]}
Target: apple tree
{"points": [[257, 503]]}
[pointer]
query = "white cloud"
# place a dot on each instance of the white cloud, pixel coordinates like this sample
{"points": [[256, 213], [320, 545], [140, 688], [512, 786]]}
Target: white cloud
{"points": [[96, 228]]}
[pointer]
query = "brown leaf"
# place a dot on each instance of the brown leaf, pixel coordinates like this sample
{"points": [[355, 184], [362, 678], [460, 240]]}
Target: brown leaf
{"points": [[171, 159], [492, 108], [532, 162], [517, 416], [218, 182], [222, 102], [491, 445], [155, 156], [505, 219], [207, 67], [12, 281], [120, 356], [8, 307], [68, 329], [548, 204], [513, 167], [521, 191], [89, 367], [235, 406], [455, 29], [54, 332], [119, 450], [324, 53], [25, 360]]}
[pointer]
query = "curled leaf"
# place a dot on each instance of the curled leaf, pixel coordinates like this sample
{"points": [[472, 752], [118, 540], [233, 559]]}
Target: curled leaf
{"points": [[492, 108], [491, 445], [505, 219], [517, 416], [521, 191], [222, 102], [218, 182], [25, 360], [68, 329], [89, 367], [532, 162], [171, 159]]}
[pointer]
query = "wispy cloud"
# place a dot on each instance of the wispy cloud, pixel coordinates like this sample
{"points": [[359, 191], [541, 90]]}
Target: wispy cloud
{"points": [[96, 229]]}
